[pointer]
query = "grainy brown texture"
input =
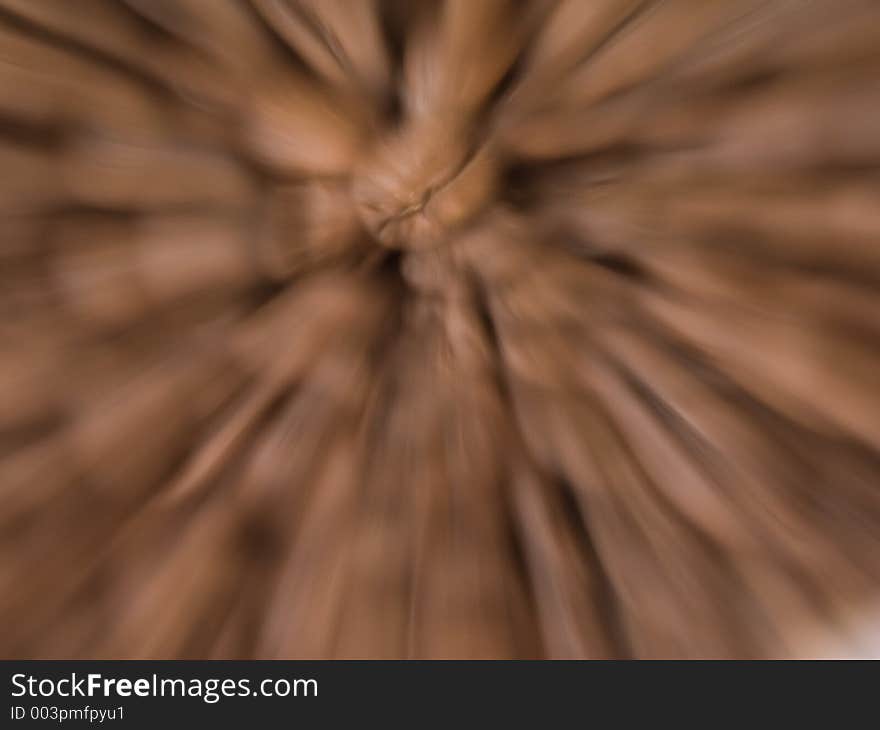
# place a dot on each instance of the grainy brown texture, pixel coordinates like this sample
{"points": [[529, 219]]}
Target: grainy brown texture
{"points": [[463, 328]]}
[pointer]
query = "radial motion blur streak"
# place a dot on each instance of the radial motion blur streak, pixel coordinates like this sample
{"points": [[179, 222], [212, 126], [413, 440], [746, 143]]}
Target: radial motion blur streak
{"points": [[463, 328]]}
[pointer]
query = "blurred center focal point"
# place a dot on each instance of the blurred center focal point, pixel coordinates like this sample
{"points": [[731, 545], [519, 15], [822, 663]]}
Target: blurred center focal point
{"points": [[417, 185]]}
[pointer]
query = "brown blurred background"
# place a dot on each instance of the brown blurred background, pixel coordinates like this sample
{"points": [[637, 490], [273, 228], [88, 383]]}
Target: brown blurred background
{"points": [[473, 328]]}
